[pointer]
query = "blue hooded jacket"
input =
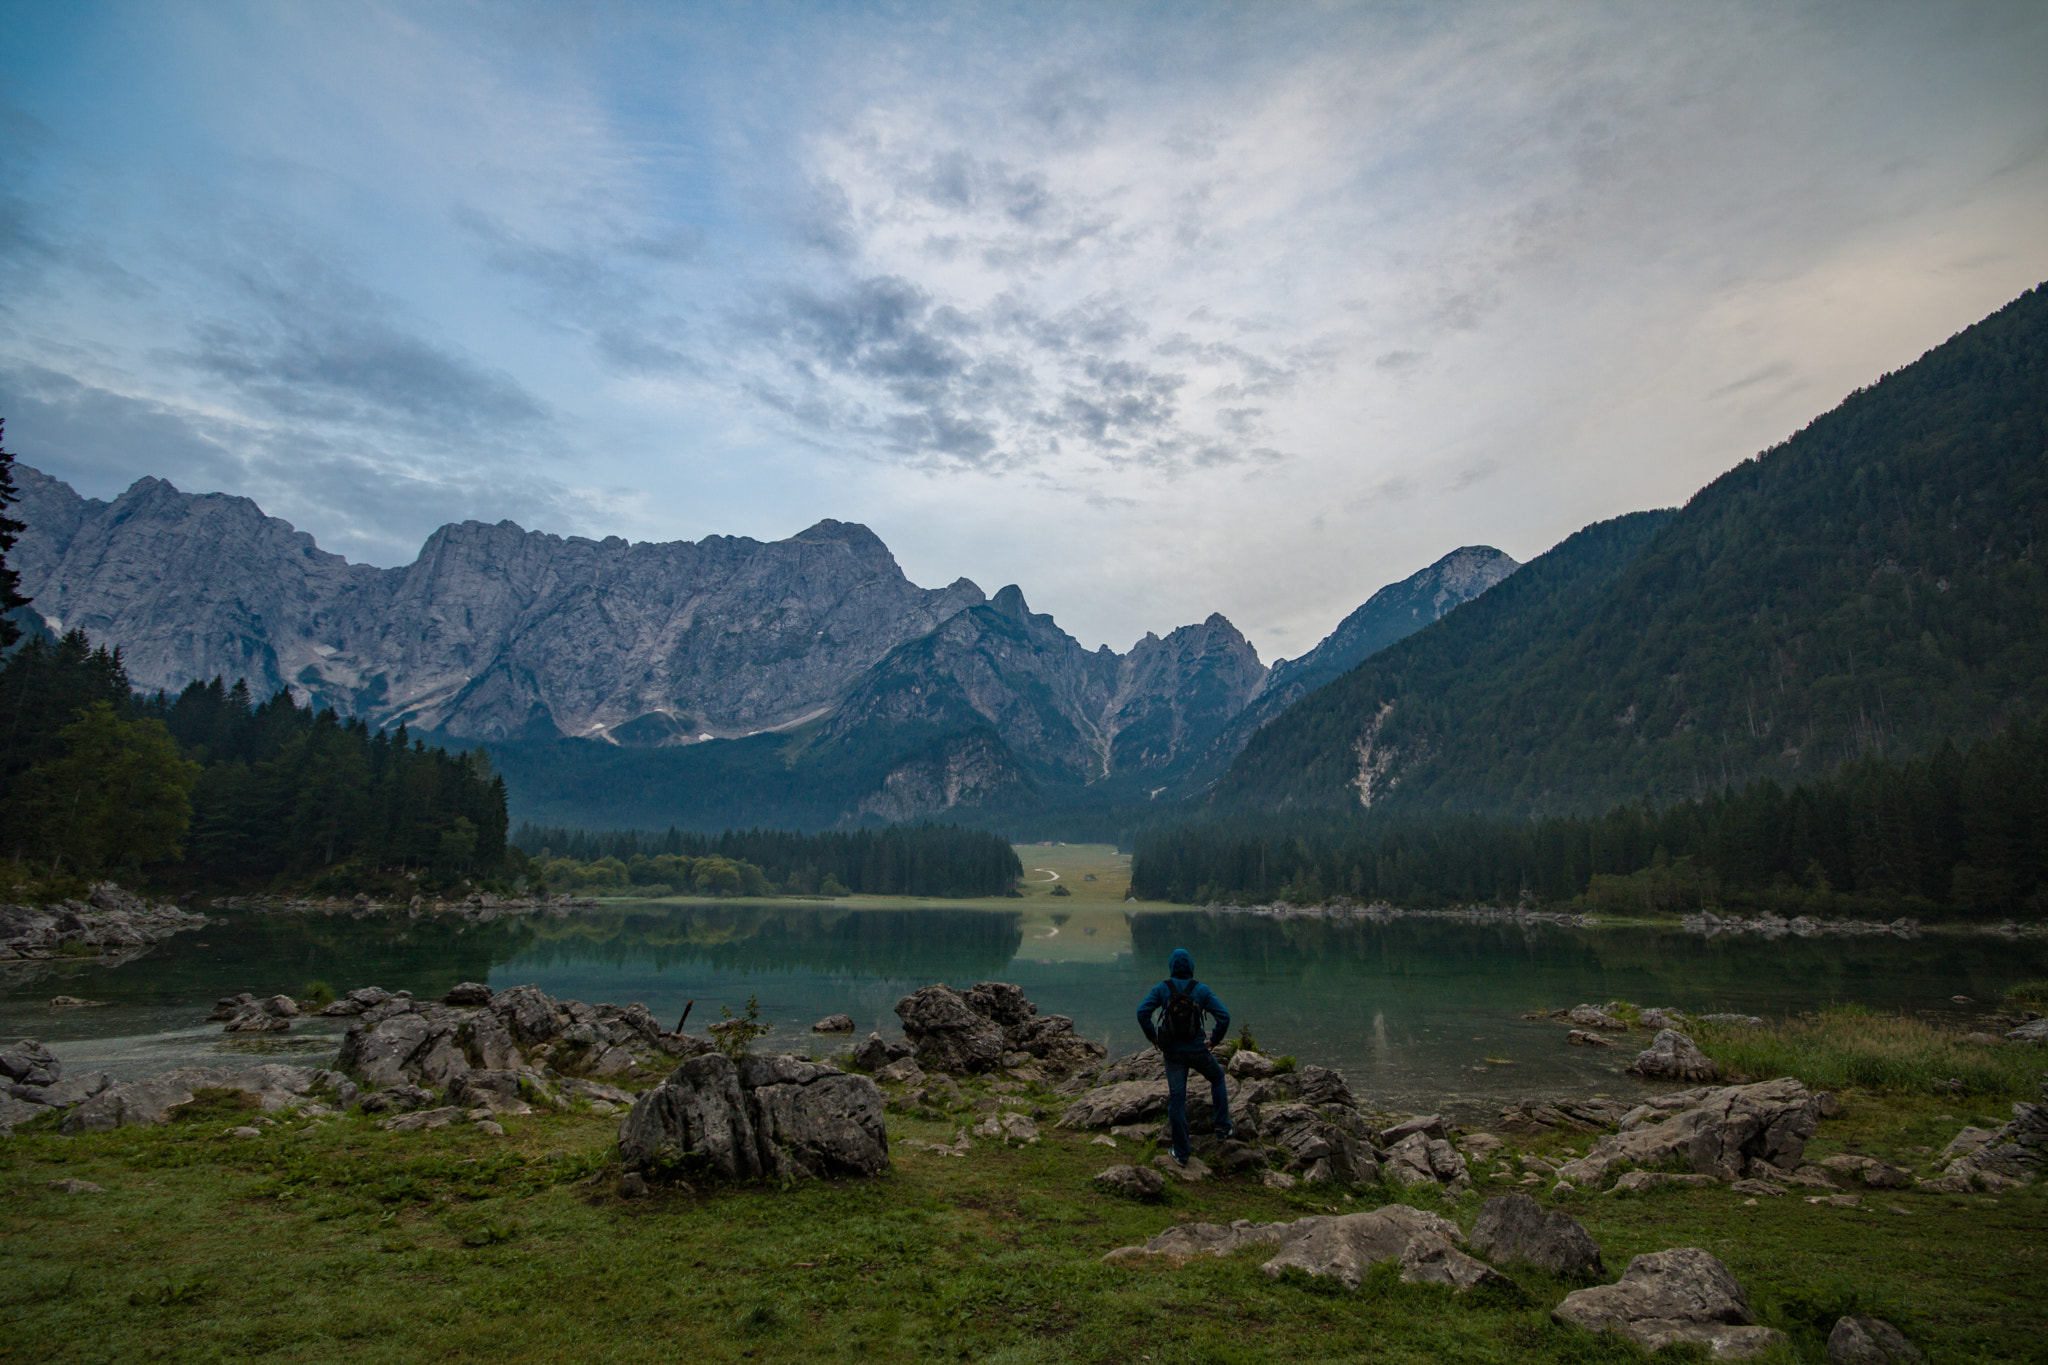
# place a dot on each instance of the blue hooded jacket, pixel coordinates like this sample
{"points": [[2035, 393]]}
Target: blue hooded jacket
{"points": [[1182, 967]]}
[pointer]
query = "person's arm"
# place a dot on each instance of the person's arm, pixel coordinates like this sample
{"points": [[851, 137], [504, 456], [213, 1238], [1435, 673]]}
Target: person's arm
{"points": [[1210, 1003], [1153, 1001]]}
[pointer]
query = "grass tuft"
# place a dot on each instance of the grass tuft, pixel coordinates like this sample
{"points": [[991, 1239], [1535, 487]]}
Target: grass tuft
{"points": [[1848, 1046]]}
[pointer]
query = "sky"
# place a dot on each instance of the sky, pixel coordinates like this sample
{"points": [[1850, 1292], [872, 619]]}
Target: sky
{"points": [[1156, 310]]}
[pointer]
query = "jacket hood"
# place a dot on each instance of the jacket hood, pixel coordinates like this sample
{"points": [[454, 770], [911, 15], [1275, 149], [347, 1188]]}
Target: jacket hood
{"points": [[1181, 964]]}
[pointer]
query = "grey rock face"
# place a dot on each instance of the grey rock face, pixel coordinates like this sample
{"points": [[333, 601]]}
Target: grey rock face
{"points": [[490, 629], [877, 1052], [1860, 1339], [1389, 615], [772, 1117], [1078, 716], [1515, 1227], [834, 1023], [1729, 1132], [1668, 1297], [1672, 1056]]}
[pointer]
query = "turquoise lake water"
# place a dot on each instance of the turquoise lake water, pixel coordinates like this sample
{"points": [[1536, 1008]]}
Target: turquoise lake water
{"points": [[1419, 1013]]}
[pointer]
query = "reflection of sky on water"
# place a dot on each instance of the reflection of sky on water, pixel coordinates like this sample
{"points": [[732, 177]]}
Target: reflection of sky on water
{"points": [[1418, 1012]]}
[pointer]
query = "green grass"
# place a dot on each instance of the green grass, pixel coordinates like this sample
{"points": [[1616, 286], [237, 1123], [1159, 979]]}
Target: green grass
{"points": [[2028, 993], [1849, 1046], [338, 1240]]}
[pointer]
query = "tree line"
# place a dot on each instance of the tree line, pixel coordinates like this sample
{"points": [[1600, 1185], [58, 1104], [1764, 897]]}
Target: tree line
{"points": [[902, 860], [214, 789], [1959, 832]]}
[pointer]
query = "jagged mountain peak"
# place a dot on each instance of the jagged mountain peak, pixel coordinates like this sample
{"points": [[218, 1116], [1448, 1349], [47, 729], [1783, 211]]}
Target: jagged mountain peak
{"points": [[1009, 600]]}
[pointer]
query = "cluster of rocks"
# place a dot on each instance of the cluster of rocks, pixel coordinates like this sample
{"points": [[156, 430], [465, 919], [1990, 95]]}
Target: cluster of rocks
{"points": [[1727, 1133], [34, 1085], [397, 1040], [244, 1013], [988, 1027], [1683, 1296], [109, 921], [1770, 925], [1301, 1125]]}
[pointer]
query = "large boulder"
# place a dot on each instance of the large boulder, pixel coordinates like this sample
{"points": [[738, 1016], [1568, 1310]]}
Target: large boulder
{"points": [[1667, 1298], [1727, 1132], [948, 1033], [1515, 1227], [976, 1029], [1671, 1056], [1563, 1116], [767, 1117]]}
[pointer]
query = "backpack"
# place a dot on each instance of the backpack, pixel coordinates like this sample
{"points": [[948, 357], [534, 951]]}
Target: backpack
{"points": [[1181, 1021]]}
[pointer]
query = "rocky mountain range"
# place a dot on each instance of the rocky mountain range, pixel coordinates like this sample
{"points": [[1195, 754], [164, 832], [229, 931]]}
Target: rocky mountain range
{"points": [[902, 700]]}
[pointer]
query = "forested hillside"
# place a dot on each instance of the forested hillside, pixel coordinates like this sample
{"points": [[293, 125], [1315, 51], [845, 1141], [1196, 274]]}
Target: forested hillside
{"points": [[1956, 833], [1870, 586], [210, 789]]}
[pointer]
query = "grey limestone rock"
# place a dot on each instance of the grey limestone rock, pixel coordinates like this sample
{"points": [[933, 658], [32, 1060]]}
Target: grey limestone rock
{"points": [[1250, 1066], [1134, 1182], [834, 1023], [397, 1099], [468, 993], [1672, 1056], [987, 1027], [1185, 1241], [1638, 1182], [1579, 1037], [1758, 1130], [1576, 1116], [152, 1100], [1860, 1339], [877, 1052], [28, 1062], [1514, 1227], [1592, 1016], [1343, 1248], [781, 1118], [1669, 1297]]}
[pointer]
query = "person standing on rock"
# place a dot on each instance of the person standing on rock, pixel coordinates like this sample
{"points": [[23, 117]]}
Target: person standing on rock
{"points": [[1181, 1001]]}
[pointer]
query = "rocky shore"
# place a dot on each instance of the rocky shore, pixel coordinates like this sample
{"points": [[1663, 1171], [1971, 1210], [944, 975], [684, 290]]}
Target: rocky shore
{"points": [[477, 908], [109, 922]]}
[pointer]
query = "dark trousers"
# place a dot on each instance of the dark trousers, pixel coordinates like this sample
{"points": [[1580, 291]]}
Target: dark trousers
{"points": [[1178, 1064]]}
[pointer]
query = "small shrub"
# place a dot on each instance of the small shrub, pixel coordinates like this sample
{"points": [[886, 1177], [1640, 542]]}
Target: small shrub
{"points": [[1283, 1065], [1245, 1039], [736, 1032], [316, 995]]}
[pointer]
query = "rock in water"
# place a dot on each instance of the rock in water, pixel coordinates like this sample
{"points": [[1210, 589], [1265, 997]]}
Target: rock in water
{"points": [[1671, 1056], [1515, 1227], [1860, 1339], [834, 1023], [468, 993], [1668, 1297], [774, 1117]]}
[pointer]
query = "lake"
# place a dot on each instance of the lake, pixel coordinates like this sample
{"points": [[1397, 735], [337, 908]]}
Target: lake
{"points": [[1418, 1013]]}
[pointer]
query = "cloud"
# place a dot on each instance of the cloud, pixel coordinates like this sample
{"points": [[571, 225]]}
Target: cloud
{"points": [[305, 341]]}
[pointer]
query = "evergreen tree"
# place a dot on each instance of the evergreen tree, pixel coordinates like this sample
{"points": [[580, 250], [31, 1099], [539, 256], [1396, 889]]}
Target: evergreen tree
{"points": [[10, 578]]}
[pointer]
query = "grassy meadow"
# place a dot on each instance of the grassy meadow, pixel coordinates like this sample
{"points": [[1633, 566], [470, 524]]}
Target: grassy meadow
{"points": [[334, 1239]]}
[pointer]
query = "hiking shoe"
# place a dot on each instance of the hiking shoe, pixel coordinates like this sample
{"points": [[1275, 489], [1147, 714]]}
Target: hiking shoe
{"points": [[1225, 1133], [1180, 1159]]}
